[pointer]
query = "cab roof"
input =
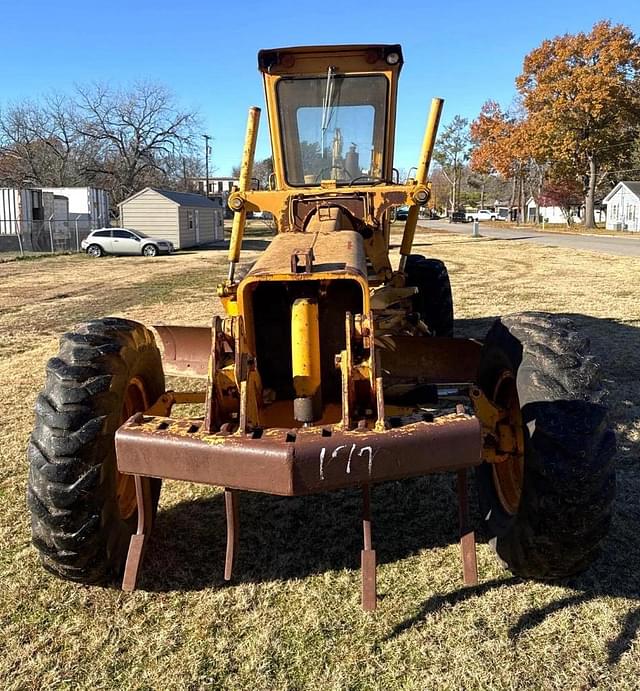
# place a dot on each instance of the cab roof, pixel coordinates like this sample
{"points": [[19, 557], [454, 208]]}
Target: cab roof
{"points": [[269, 60]]}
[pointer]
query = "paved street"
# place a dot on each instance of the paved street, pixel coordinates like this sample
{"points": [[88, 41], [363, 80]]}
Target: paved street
{"points": [[623, 246]]}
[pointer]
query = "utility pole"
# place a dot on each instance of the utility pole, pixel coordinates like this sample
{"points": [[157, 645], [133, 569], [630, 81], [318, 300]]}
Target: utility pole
{"points": [[206, 163]]}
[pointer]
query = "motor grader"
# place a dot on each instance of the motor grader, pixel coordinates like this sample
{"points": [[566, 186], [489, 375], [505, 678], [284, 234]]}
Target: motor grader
{"points": [[332, 368]]}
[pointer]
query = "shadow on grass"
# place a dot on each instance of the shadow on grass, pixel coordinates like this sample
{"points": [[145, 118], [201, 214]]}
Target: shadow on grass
{"points": [[256, 244], [293, 537], [283, 538]]}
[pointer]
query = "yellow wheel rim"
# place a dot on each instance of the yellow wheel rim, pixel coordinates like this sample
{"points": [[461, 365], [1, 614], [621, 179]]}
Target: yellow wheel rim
{"points": [[135, 401], [508, 475]]}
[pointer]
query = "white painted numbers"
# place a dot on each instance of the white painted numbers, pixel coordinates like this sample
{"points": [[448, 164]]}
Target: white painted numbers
{"points": [[365, 452]]}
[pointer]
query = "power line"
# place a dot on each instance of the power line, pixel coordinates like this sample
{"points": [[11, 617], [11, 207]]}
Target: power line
{"points": [[615, 146]]}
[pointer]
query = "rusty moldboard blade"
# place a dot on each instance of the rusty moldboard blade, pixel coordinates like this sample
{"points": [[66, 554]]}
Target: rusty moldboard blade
{"points": [[186, 349]]}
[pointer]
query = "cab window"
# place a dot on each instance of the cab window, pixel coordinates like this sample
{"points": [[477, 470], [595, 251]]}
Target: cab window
{"points": [[333, 127]]}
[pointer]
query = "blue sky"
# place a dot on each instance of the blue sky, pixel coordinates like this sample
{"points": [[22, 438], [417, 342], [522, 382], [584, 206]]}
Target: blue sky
{"points": [[466, 52]]}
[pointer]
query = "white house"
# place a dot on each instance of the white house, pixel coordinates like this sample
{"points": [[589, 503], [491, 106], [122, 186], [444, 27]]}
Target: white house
{"points": [[623, 207], [556, 214], [550, 214]]}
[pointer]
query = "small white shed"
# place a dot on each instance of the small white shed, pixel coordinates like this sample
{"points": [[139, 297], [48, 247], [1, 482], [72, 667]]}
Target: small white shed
{"points": [[186, 219], [623, 206]]}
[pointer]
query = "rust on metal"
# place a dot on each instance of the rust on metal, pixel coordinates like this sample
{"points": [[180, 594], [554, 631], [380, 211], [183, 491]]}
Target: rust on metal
{"points": [[270, 461], [233, 528], [467, 536], [367, 555], [138, 541], [432, 360], [302, 261], [186, 349]]}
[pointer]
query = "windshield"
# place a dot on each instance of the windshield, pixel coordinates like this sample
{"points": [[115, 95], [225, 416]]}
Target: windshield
{"points": [[140, 234], [333, 127]]}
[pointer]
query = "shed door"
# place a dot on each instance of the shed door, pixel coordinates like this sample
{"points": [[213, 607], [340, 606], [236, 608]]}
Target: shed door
{"points": [[197, 215]]}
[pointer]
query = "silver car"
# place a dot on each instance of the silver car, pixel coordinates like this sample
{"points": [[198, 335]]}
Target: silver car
{"points": [[124, 241]]}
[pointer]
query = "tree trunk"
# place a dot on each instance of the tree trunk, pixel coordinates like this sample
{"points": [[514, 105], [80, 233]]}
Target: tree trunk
{"points": [[454, 190], [589, 201], [512, 200]]}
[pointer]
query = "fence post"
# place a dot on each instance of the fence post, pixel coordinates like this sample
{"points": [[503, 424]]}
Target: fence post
{"points": [[19, 234], [51, 234], [77, 236]]}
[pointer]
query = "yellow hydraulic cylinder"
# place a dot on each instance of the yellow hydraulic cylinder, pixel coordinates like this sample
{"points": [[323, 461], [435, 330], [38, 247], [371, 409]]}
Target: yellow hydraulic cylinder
{"points": [[244, 184], [421, 177], [305, 359]]}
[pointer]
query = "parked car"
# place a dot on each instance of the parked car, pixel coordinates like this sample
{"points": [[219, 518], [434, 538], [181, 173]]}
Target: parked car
{"points": [[482, 215], [124, 241], [402, 213], [458, 217]]}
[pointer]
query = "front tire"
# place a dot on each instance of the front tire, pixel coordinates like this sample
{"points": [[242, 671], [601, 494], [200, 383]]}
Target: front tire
{"points": [[83, 511], [434, 301], [547, 516], [95, 251], [149, 251]]}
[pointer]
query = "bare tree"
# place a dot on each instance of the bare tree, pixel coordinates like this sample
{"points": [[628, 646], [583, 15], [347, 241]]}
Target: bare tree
{"points": [[121, 140], [42, 142], [138, 136], [451, 152]]}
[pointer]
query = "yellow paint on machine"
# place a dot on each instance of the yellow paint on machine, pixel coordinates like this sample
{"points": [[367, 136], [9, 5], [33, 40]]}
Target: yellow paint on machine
{"points": [[305, 346]]}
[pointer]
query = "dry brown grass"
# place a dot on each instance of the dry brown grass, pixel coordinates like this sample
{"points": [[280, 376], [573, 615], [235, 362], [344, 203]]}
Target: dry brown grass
{"points": [[292, 618]]}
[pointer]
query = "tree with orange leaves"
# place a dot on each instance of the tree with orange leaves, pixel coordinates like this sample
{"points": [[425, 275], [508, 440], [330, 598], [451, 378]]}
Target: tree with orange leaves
{"points": [[582, 97], [501, 144]]}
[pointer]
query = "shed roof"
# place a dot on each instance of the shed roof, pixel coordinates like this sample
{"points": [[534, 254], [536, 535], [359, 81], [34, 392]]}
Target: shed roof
{"points": [[185, 198], [181, 198], [632, 185]]}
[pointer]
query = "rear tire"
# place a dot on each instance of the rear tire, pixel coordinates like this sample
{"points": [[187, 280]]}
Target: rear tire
{"points": [[434, 301], [83, 512], [568, 478]]}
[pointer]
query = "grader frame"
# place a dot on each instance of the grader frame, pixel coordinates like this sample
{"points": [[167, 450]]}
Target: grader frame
{"points": [[302, 373]]}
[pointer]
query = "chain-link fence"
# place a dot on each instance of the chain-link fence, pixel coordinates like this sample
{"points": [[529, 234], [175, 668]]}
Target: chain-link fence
{"points": [[43, 236]]}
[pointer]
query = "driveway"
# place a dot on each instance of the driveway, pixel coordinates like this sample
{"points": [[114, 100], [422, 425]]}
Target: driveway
{"points": [[626, 247]]}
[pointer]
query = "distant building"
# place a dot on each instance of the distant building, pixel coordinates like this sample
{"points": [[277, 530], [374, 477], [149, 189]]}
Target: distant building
{"points": [[184, 218], [558, 215], [37, 218], [219, 190], [88, 206], [623, 207], [217, 186]]}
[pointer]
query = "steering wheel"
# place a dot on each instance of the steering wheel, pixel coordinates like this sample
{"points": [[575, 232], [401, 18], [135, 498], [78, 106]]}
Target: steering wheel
{"points": [[319, 175], [371, 178]]}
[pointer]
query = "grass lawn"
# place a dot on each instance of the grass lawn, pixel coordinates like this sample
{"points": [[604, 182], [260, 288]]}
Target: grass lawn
{"points": [[292, 617]]}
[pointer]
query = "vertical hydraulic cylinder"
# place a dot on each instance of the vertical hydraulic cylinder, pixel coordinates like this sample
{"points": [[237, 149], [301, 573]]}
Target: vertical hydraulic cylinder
{"points": [[305, 360]]}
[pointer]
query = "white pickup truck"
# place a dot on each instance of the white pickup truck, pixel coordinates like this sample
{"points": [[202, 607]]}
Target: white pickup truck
{"points": [[482, 215]]}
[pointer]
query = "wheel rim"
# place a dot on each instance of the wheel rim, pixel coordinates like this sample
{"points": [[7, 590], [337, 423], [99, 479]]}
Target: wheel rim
{"points": [[135, 401], [94, 251], [508, 475], [150, 251]]}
